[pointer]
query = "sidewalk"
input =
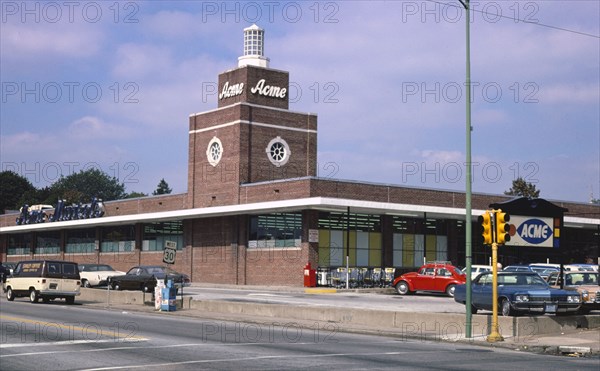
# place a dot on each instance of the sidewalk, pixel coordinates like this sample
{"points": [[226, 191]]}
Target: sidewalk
{"points": [[578, 343]]}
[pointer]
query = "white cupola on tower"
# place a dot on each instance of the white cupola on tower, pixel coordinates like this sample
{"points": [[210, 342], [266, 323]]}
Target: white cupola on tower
{"points": [[254, 48]]}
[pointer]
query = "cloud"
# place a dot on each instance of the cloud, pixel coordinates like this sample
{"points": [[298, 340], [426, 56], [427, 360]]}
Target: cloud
{"points": [[136, 61], [581, 93], [93, 128], [25, 41]]}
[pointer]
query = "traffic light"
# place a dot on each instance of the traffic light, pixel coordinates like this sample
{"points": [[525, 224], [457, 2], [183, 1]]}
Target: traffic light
{"points": [[502, 227], [486, 228]]}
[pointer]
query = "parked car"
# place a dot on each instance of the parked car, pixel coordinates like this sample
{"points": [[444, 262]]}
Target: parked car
{"points": [[4, 273], [143, 277], [586, 283], [96, 274], [518, 293], [544, 272], [432, 277], [477, 269], [581, 267], [44, 279], [545, 265], [517, 268], [10, 265]]}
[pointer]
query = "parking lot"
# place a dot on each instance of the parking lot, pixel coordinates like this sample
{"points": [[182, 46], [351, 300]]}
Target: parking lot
{"points": [[377, 299]]}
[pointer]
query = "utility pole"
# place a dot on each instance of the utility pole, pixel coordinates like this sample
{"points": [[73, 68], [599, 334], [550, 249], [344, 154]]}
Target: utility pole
{"points": [[468, 182]]}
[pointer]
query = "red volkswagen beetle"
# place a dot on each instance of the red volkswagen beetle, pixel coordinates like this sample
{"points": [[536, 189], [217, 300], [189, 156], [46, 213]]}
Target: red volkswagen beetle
{"points": [[431, 277]]}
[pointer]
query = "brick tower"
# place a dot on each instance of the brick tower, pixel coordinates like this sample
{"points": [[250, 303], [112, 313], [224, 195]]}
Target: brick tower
{"points": [[251, 136]]}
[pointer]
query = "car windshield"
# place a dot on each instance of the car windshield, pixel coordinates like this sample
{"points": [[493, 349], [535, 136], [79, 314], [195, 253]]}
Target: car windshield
{"points": [[105, 268], [581, 278], [544, 270], [459, 272], [512, 279], [521, 279], [155, 270]]}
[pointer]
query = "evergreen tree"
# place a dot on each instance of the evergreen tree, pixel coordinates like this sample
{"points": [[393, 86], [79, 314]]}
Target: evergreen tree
{"points": [[162, 188], [522, 188], [135, 194]]}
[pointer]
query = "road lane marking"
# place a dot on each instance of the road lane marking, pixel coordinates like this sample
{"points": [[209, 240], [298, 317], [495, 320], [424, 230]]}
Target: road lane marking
{"points": [[287, 356], [128, 348], [71, 327], [65, 342]]}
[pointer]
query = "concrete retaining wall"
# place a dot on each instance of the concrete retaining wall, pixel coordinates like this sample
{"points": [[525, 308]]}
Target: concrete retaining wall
{"points": [[425, 324], [114, 296], [438, 325]]}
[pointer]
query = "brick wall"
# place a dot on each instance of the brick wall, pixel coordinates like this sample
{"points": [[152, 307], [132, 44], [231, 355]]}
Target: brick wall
{"points": [[244, 158], [146, 204], [249, 76]]}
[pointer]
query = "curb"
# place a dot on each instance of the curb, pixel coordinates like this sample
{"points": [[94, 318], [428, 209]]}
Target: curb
{"points": [[320, 291]]}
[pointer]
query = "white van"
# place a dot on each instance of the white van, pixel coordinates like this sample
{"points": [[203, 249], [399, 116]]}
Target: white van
{"points": [[44, 279]]}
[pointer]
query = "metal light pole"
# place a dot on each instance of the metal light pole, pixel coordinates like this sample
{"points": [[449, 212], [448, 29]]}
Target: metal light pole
{"points": [[494, 335], [468, 217]]}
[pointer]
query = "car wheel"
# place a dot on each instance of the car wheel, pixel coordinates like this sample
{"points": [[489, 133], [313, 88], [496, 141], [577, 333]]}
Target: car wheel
{"points": [[10, 296], [145, 288], [402, 288], [70, 300], [450, 290], [505, 308], [116, 286], [473, 309], [86, 284], [33, 296]]}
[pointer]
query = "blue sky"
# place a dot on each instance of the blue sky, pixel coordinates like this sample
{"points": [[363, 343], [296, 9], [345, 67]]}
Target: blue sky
{"points": [[111, 85]]}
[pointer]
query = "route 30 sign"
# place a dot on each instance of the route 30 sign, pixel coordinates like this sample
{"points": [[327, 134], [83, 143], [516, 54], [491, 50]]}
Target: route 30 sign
{"points": [[170, 251]]}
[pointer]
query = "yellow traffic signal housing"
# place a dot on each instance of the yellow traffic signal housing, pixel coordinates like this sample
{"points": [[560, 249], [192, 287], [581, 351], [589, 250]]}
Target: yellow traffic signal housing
{"points": [[486, 228], [502, 227]]}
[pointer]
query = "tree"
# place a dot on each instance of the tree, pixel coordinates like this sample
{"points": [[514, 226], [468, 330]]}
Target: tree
{"points": [[522, 188], [135, 194], [162, 188], [86, 184], [12, 188]]}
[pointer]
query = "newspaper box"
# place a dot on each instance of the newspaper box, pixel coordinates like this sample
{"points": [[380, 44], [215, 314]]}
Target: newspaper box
{"points": [[169, 298]]}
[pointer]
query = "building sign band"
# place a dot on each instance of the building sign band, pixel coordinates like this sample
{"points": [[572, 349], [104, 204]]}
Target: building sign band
{"points": [[261, 88], [46, 213]]}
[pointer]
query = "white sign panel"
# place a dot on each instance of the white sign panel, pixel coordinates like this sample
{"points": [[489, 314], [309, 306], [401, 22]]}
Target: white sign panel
{"points": [[170, 251], [313, 235], [531, 231]]}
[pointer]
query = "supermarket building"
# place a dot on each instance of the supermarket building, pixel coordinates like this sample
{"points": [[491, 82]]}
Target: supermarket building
{"points": [[256, 213]]}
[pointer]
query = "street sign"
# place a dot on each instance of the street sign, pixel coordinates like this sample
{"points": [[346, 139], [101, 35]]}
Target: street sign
{"points": [[170, 251]]}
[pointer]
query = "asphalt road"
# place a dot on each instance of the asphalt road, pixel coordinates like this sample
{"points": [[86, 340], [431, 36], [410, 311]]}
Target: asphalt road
{"points": [[62, 337]]}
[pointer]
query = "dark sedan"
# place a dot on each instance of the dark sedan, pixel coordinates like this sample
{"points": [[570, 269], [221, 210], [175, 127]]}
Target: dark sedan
{"points": [[518, 293], [143, 277]]}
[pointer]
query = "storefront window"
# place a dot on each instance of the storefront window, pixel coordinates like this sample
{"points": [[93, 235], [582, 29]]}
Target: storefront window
{"points": [[47, 243], [156, 234], [118, 239], [416, 241], [364, 232], [81, 241], [19, 244], [275, 230]]}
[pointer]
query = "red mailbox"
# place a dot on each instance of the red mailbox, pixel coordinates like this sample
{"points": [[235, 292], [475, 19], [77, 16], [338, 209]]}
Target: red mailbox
{"points": [[310, 276]]}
